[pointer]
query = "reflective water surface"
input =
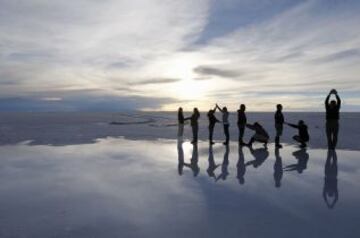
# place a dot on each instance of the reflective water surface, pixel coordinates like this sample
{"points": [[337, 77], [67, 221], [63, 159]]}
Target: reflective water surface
{"points": [[165, 188]]}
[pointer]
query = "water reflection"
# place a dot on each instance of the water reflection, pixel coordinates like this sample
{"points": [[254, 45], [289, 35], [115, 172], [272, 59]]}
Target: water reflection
{"points": [[278, 168], [330, 191], [194, 160], [224, 165], [180, 151], [260, 155], [302, 159], [212, 165], [241, 168]]}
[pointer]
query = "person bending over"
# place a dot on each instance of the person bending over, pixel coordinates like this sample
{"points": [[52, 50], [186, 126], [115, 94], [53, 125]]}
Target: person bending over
{"points": [[303, 135], [260, 134]]}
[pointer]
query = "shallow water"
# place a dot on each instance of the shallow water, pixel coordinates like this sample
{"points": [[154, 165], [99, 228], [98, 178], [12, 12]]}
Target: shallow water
{"points": [[126, 188]]}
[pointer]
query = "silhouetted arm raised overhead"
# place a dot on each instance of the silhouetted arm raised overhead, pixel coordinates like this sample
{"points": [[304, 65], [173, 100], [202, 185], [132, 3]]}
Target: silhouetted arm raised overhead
{"points": [[217, 106], [327, 100], [338, 101]]}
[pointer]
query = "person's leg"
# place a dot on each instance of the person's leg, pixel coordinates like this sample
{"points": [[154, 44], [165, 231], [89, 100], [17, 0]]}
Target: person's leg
{"points": [[279, 130], [251, 142], [329, 134], [335, 133], [211, 131], [241, 133], [227, 136], [196, 133], [181, 130]]}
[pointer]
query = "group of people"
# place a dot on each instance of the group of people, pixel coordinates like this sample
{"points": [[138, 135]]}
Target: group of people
{"points": [[260, 134]]}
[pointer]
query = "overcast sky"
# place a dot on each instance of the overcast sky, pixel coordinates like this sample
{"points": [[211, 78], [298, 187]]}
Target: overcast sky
{"points": [[160, 54]]}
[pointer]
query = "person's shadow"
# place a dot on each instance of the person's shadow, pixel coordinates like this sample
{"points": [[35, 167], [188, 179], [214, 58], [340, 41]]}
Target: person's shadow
{"points": [[302, 157], [278, 168], [194, 161], [260, 155], [212, 165], [241, 168], [224, 165], [330, 190], [180, 156]]}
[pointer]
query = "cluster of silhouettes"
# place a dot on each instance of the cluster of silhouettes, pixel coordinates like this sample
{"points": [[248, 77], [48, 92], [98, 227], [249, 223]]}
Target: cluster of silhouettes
{"points": [[330, 191], [260, 134]]}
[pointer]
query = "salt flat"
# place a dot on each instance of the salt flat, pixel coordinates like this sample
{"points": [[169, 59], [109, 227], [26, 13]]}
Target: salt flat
{"points": [[117, 187]]}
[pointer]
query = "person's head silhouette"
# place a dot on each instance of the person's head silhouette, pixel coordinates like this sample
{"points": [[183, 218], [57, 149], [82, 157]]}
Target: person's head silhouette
{"points": [[301, 123], [242, 107], [279, 107], [225, 109], [180, 109]]}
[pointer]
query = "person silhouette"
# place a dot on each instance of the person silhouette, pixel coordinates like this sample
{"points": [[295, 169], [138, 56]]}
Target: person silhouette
{"points": [[279, 121], [278, 168], [194, 161], [241, 168], [180, 157], [260, 134], [212, 121], [303, 134], [181, 122], [332, 118], [224, 165], [194, 124], [260, 155], [241, 123], [225, 121], [212, 165], [302, 157], [330, 190]]}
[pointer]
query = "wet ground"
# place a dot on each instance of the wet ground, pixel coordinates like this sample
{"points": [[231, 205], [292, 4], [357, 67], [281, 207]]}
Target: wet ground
{"points": [[165, 188]]}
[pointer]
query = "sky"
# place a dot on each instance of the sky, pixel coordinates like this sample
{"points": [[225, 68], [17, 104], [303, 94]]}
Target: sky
{"points": [[117, 55]]}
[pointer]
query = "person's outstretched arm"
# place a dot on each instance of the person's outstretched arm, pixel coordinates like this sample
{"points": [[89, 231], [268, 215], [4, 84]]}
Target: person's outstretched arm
{"points": [[338, 100], [250, 126], [292, 125], [327, 99], [217, 106]]}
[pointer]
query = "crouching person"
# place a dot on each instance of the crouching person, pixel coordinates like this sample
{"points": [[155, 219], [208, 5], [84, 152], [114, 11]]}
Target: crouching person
{"points": [[260, 134]]}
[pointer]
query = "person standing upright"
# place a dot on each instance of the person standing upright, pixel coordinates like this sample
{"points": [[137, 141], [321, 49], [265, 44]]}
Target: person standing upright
{"points": [[332, 118], [279, 124], [225, 121], [241, 122], [194, 124], [212, 121], [181, 122]]}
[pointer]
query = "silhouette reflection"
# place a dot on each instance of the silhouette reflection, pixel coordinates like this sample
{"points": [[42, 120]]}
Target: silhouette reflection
{"points": [[224, 165], [241, 168], [330, 191], [303, 157], [194, 161], [278, 169], [260, 155], [180, 156], [212, 166]]}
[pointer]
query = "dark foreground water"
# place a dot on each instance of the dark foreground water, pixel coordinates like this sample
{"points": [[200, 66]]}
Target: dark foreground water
{"points": [[162, 188]]}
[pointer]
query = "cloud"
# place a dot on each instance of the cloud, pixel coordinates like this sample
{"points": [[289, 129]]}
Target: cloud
{"points": [[280, 49], [154, 81], [213, 71]]}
